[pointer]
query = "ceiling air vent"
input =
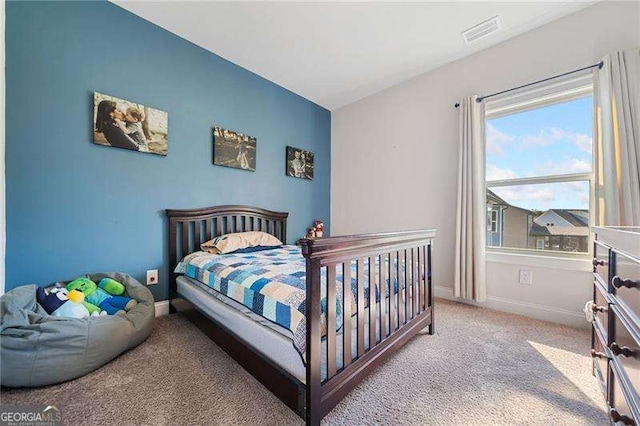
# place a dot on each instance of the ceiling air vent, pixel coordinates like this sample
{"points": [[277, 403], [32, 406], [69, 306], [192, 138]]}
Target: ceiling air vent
{"points": [[483, 29]]}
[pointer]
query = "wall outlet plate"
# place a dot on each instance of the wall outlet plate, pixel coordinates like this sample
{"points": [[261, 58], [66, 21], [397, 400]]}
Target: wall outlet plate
{"points": [[526, 277], [152, 277]]}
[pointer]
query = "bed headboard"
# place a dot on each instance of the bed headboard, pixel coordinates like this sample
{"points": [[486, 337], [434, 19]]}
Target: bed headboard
{"points": [[190, 228]]}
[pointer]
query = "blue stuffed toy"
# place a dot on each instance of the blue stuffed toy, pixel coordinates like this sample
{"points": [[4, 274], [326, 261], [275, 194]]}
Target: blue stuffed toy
{"points": [[62, 303], [106, 295]]}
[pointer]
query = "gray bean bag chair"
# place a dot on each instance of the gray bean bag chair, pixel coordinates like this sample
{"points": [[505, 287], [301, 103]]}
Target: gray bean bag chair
{"points": [[38, 349]]}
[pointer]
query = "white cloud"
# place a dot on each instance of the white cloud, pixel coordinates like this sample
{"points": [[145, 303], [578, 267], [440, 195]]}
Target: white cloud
{"points": [[543, 138], [582, 141], [496, 173], [516, 194], [552, 135], [544, 196], [495, 139], [567, 166]]}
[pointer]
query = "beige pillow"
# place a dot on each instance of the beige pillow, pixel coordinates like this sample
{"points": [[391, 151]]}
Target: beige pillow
{"points": [[239, 240]]}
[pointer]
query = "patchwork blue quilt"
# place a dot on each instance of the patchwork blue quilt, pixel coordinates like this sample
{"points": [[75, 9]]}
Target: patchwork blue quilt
{"points": [[271, 283]]}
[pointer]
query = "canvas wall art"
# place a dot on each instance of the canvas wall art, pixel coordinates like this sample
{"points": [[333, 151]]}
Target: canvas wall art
{"points": [[130, 125], [233, 149], [299, 163]]}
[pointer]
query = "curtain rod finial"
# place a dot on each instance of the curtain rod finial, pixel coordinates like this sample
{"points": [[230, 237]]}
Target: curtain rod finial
{"points": [[600, 65], [457, 104]]}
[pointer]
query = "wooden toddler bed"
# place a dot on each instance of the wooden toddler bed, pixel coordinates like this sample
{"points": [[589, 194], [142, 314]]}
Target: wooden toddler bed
{"points": [[399, 264]]}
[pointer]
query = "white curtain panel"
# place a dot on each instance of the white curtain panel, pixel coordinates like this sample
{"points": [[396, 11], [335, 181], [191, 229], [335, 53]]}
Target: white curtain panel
{"points": [[471, 212], [617, 134]]}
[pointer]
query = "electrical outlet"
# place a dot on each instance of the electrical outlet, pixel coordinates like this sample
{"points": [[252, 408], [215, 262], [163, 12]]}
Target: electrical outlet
{"points": [[152, 277], [526, 277]]}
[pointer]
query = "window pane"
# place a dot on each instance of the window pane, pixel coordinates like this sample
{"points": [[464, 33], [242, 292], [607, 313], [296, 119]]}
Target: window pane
{"points": [[553, 216], [551, 140]]}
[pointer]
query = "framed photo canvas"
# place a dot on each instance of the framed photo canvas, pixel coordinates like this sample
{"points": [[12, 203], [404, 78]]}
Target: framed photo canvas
{"points": [[125, 124], [299, 163], [233, 149]]}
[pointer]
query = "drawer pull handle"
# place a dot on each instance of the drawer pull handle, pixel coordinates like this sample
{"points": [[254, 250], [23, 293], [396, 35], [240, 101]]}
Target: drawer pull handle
{"points": [[617, 417], [621, 350], [596, 309], [596, 354], [618, 282]]}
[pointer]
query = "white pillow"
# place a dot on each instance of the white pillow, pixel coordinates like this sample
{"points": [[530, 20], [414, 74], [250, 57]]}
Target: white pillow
{"points": [[239, 240]]}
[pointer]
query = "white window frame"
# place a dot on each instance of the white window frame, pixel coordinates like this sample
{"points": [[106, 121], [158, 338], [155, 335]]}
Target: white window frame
{"points": [[557, 92]]}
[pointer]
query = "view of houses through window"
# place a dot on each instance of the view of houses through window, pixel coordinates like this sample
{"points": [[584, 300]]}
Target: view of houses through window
{"points": [[538, 173]]}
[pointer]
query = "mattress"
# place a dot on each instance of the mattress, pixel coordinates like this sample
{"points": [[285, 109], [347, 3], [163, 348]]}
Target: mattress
{"points": [[272, 283], [269, 339]]}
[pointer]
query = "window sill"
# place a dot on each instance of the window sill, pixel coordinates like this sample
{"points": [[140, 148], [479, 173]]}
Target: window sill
{"points": [[580, 262]]}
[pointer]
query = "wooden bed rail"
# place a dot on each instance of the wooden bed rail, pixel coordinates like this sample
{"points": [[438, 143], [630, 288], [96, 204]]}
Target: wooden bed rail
{"points": [[398, 265]]}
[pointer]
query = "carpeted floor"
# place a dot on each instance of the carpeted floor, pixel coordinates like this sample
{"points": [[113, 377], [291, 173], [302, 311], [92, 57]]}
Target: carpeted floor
{"points": [[481, 367]]}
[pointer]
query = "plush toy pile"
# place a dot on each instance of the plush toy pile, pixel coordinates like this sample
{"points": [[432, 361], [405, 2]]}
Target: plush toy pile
{"points": [[82, 298]]}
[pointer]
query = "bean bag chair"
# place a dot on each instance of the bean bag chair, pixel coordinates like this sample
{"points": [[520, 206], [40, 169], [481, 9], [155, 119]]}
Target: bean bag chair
{"points": [[38, 349]]}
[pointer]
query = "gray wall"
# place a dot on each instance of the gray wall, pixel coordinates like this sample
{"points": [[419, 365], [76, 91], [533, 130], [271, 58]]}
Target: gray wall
{"points": [[395, 154]]}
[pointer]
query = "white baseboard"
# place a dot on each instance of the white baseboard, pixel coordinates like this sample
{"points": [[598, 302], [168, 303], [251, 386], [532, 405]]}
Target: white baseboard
{"points": [[532, 310], [162, 308]]}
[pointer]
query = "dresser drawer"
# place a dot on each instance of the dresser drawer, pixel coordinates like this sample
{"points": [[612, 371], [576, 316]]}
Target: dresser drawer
{"points": [[601, 261], [620, 404], [625, 347], [600, 359], [626, 282], [601, 308]]}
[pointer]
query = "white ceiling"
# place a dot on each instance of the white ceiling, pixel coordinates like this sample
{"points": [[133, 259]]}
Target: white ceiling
{"points": [[336, 53]]}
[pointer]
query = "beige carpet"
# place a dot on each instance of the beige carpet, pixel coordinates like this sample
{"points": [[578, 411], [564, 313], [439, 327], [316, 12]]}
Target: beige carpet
{"points": [[482, 367]]}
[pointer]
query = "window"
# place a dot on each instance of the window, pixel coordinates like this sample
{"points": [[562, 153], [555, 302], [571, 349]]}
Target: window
{"points": [[492, 217], [539, 169]]}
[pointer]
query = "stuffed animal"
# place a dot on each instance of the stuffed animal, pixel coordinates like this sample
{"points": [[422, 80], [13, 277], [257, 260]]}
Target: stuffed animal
{"points": [[62, 303], [311, 233], [106, 295], [319, 228]]}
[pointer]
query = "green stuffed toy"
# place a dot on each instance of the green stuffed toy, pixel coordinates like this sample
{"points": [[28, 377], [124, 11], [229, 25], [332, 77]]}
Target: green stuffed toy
{"points": [[104, 296]]}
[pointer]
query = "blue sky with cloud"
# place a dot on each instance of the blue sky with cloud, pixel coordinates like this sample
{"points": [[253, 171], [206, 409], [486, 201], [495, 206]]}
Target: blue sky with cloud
{"points": [[545, 141]]}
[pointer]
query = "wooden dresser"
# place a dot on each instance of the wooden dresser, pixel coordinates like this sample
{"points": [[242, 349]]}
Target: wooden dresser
{"points": [[615, 340]]}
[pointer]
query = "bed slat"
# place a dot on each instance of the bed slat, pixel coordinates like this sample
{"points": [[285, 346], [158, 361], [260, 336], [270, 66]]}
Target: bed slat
{"points": [[361, 312], [421, 271], [185, 239], [383, 298], [372, 302], [346, 313], [409, 266], [196, 234], [331, 320], [405, 281], [207, 229], [414, 267], [393, 277], [401, 288]]}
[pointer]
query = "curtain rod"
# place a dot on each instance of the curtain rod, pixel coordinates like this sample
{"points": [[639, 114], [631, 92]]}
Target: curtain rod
{"points": [[481, 98]]}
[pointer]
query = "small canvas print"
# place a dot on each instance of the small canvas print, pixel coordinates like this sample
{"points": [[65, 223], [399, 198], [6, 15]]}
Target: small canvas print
{"points": [[299, 163], [233, 149], [129, 125]]}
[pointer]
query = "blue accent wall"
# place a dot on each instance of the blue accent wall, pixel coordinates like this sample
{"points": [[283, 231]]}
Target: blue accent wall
{"points": [[75, 207]]}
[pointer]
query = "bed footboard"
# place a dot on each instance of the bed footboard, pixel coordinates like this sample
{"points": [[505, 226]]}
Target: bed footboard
{"points": [[379, 282]]}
